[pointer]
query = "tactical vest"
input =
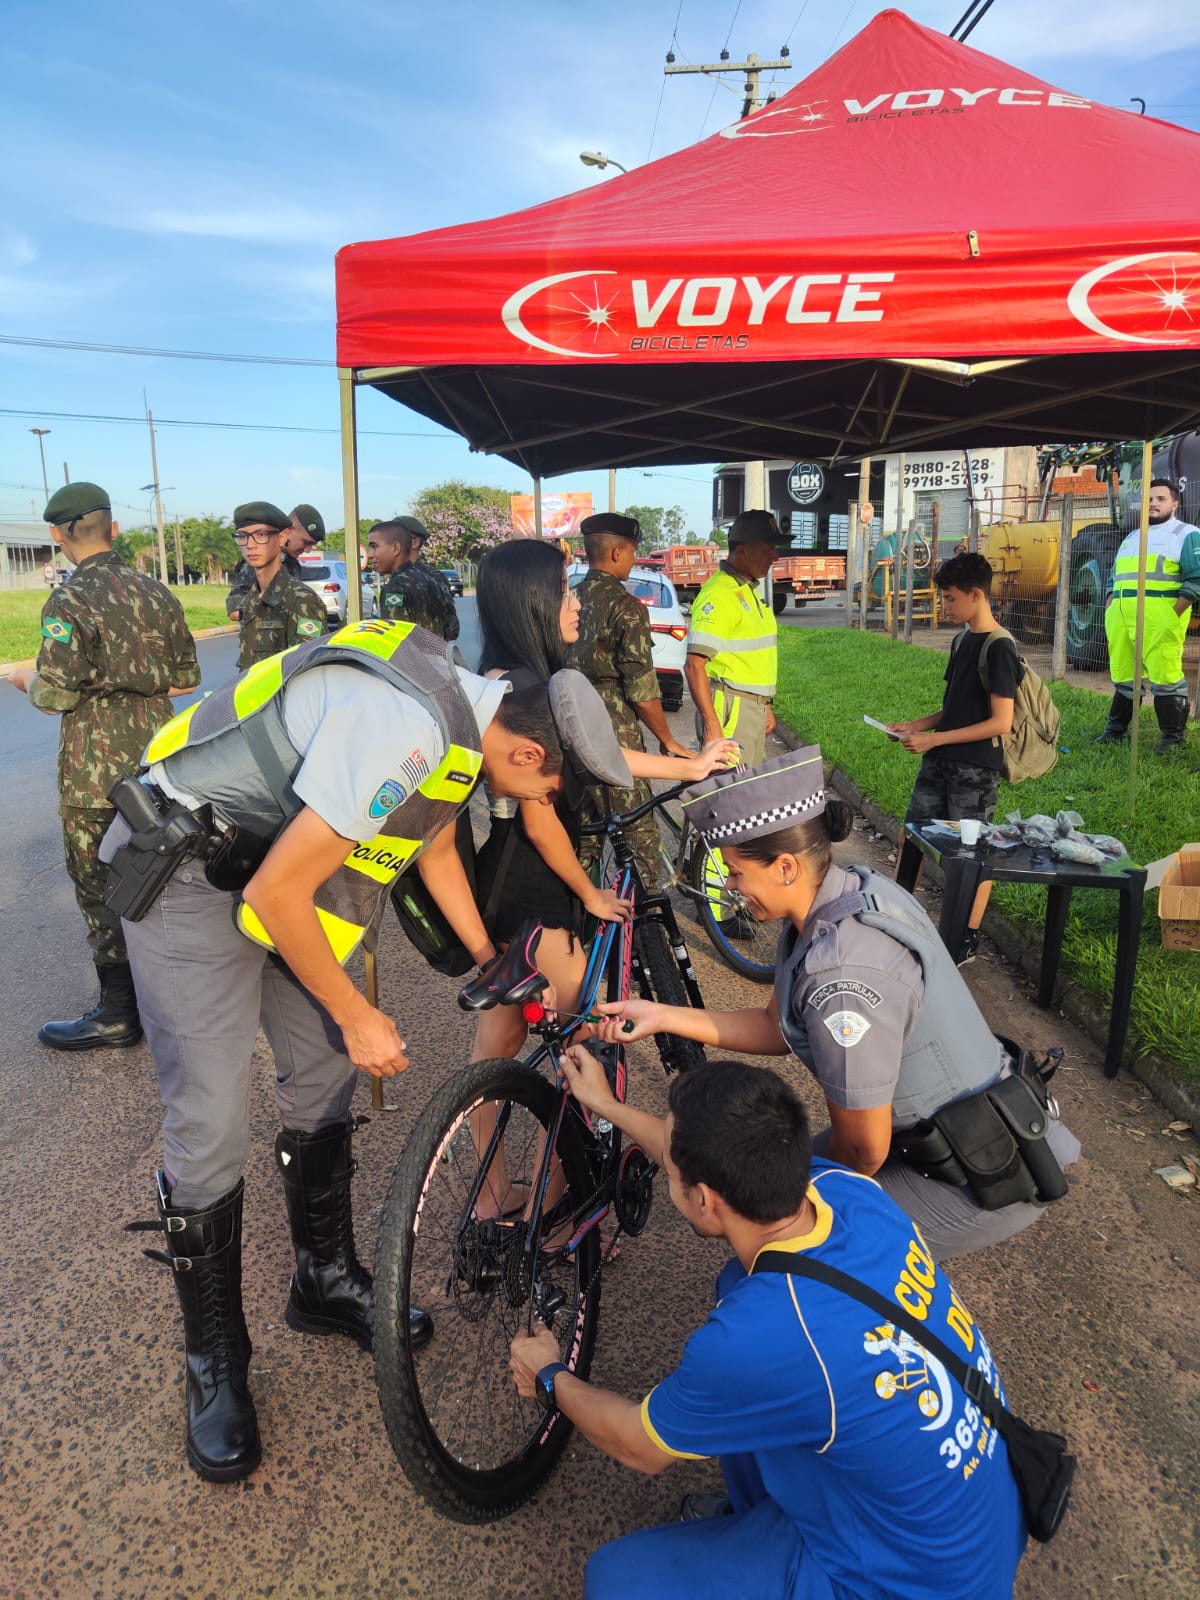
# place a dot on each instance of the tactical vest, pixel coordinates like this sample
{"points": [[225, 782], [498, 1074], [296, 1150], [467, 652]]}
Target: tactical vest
{"points": [[950, 1052], [1164, 573], [232, 750]]}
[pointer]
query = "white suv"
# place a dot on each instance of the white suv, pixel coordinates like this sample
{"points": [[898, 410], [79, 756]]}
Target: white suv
{"points": [[326, 577], [668, 627]]}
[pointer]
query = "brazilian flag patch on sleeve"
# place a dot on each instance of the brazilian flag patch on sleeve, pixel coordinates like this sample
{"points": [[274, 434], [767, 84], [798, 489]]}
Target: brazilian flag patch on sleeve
{"points": [[306, 627], [61, 632]]}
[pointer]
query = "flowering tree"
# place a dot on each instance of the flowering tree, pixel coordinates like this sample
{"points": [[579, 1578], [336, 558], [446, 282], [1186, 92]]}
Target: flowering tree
{"points": [[464, 520]]}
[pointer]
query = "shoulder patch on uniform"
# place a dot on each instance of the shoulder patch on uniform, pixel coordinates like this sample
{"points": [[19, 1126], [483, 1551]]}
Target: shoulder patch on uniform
{"points": [[706, 608], [53, 628], [847, 1028], [306, 627], [860, 991], [396, 600], [388, 796]]}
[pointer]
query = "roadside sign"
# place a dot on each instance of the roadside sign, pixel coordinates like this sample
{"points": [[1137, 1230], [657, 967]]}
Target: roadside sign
{"points": [[806, 482]]}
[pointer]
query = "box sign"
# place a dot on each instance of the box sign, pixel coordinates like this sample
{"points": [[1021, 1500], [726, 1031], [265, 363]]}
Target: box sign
{"points": [[806, 482], [561, 513], [949, 471]]}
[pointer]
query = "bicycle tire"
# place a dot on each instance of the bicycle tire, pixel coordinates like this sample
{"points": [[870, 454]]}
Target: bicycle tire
{"points": [[753, 954], [434, 1400], [662, 974]]}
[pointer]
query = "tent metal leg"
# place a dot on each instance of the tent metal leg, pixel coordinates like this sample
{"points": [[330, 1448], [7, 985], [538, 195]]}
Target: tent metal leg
{"points": [[350, 494]]}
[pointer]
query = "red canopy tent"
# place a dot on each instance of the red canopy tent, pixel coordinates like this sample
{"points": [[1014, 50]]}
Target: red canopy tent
{"points": [[918, 244]]}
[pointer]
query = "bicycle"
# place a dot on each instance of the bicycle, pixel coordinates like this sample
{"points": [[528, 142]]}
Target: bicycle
{"points": [[466, 1440]]}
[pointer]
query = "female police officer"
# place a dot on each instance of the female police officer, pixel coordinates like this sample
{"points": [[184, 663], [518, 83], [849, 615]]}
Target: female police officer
{"points": [[921, 1095]]}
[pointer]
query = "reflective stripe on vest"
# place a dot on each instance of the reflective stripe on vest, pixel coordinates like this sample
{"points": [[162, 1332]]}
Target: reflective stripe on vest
{"points": [[211, 740], [737, 632], [1164, 574]]}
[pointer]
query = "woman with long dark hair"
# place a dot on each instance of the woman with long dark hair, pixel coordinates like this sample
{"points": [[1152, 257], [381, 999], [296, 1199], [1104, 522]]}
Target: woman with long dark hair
{"points": [[529, 866], [871, 1001]]}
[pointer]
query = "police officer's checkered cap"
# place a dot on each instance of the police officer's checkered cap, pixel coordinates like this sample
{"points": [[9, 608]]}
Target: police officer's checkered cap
{"points": [[751, 804]]}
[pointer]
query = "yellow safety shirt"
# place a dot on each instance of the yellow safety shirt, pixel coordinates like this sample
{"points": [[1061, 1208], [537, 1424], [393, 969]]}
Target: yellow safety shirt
{"points": [[736, 633]]}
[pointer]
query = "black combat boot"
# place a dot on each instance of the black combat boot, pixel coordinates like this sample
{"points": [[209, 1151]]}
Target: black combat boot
{"points": [[111, 1025], [205, 1252], [331, 1289], [1120, 715], [1172, 711]]}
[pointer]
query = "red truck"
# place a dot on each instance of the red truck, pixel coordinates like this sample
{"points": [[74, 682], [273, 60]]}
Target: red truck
{"points": [[689, 566]]}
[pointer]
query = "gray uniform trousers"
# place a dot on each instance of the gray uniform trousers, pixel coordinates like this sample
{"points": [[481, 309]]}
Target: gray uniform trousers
{"points": [[203, 989]]}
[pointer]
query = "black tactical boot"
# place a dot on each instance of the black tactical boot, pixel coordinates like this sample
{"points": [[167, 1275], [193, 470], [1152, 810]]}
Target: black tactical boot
{"points": [[111, 1025], [205, 1251], [331, 1289], [1172, 711], [1120, 715]]}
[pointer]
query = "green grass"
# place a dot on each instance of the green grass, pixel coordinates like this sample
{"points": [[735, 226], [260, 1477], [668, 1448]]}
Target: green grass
{"points": [[829, 677], [21, 612]]}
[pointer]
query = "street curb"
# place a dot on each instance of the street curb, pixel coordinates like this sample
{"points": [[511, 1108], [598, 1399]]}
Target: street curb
{"points": [[7, 668], [1084, 1009]]}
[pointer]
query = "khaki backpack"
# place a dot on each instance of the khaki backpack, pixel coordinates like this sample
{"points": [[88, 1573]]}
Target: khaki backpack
{"points": [[1030, 749]]}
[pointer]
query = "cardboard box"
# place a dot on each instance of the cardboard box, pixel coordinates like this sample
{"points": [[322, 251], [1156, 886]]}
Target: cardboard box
{"points": [[1179, 899]]}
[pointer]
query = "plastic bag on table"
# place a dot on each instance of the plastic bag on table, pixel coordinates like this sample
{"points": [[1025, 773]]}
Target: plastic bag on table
{"points": [[1109, 847], [1077, 849]]}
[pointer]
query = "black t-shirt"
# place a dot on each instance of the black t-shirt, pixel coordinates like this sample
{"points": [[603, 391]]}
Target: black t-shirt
{"points": [[966, 701]]}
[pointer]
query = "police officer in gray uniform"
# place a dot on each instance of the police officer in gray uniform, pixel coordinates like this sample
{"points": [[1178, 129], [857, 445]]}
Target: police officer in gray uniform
{"points": [[953, 1122]]}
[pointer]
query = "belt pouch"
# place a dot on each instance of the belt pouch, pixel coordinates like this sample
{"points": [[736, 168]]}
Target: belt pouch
{"points": [[987, 1151], [925, 1148], [1018, 1103]]}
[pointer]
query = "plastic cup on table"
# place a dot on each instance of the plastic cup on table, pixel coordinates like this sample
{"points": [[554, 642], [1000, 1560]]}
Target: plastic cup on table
{"points": [[969, 830]]}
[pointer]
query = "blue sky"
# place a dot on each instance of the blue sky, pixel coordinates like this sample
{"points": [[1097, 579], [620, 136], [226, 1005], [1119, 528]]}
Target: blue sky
{"points": [[181, 178]]}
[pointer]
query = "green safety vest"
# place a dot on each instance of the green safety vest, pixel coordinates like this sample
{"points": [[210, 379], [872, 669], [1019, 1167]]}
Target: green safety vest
{"points": [[231, 750], [730, 621], [1164, 572]]}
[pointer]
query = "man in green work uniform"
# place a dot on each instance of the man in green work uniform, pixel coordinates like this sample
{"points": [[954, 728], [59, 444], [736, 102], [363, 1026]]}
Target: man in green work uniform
{"points": [[414, 592], [732, 654], [614, 651], [1172, 585], [280, 610], [114, 647]]}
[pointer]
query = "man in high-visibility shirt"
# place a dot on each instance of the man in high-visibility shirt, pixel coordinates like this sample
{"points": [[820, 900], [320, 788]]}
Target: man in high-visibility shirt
{"points": [[732, 654], [1172, 584]]}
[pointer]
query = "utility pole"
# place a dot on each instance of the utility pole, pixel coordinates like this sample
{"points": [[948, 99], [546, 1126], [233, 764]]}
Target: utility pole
{"points": [[752, 66], [178, 553], [41, 434], [158, 514]]}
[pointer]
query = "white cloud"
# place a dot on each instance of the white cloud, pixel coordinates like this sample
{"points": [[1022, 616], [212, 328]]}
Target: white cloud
{"points": [[260, 224], [16, 249]]}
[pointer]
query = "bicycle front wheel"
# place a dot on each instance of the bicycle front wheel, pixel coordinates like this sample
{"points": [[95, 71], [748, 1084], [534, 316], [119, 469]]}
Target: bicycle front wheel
{"points": [[666, 986], [466, 1440], [742, 943]]}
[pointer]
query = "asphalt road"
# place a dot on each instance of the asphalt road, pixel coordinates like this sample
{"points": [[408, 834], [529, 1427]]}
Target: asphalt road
{"points": [[1091, 1314]]}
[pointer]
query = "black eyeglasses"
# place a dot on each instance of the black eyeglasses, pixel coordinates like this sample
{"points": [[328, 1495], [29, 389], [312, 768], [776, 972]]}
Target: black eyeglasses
{"points": [[257, 536]]}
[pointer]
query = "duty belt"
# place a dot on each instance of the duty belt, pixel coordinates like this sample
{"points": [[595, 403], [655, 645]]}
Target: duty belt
{"points": [[744, 694]]}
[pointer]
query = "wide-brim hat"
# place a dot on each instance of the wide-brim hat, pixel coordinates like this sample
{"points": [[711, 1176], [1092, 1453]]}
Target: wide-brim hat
{"points": [[730, 807]]}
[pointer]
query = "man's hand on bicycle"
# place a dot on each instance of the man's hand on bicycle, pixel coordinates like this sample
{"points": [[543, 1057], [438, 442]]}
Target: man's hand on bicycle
{"points": [[587, 1080], [528, 1354], [608, 906], [627, 1021]]}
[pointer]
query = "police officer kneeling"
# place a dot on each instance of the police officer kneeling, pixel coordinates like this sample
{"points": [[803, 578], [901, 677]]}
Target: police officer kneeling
{"points": [[248, 862], [952, 1122]]}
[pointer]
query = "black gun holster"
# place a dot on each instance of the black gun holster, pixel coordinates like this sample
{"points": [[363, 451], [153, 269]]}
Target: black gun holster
{"points": [[162, 834], [993, 1142]]}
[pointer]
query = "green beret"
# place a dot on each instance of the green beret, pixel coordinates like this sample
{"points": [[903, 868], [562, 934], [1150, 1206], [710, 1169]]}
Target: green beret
{"points": [[612, 522], [417, 529], [75, 500], [310, 520], [261, 511]]}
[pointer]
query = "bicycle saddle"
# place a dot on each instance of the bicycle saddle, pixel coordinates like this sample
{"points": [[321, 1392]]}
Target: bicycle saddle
{"points": [[511, 980]]}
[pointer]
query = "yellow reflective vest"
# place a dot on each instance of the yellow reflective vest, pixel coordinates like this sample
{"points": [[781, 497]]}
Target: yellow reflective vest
{"points": [[1171, 547], [231, 750], [736, 632]]}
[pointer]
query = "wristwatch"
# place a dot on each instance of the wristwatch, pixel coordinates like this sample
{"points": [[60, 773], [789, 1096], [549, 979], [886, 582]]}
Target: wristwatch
{"points": [[544, 1384]]}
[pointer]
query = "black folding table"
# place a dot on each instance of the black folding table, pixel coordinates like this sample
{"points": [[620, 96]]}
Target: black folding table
{"points": [[965, 868]]}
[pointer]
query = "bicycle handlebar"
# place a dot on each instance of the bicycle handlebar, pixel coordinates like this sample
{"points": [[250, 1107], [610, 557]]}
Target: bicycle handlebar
{"points": [[626, 817]]}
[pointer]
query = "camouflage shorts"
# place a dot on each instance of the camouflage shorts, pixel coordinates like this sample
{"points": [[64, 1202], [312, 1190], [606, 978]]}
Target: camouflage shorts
{"points": [[951, 790]]}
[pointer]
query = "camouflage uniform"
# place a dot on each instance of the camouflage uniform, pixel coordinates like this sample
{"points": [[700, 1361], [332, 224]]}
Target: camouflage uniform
{"points": [[243, 581], [614, 652], [285, 613], [418, 593], [113, 643]]}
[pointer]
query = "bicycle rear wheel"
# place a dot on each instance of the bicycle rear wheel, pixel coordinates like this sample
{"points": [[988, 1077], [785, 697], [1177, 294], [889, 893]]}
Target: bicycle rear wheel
{"points": [[741, 942], [666, 986], [466, 1440]]}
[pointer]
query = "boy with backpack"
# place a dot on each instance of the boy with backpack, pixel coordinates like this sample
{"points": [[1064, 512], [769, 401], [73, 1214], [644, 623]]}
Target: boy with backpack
{"points": [[961, 750]]}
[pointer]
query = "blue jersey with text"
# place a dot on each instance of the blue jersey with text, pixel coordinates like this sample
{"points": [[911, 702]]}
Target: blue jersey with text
{"points": [[898, 1488]]}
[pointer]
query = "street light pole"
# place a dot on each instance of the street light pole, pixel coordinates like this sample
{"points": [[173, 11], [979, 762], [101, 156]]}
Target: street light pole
{"points": [[595, 158], [41, 433]]}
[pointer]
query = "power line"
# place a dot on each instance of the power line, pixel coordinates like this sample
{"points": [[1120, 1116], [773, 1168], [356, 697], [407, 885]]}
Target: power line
{"points": [[240, 427], [975, 13], [845, 20], [176, 355], [796, 24], [662, 91]]}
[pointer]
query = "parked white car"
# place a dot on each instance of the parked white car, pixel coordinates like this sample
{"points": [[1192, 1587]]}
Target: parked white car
{"points": [[326, 577], [668, 627]]}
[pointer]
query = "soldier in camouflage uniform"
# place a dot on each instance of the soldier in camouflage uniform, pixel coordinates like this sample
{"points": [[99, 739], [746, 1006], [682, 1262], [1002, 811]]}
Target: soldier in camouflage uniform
{"points": [[306, 529], [280, 610], [614, 651], [414, 591], [115, 646]]}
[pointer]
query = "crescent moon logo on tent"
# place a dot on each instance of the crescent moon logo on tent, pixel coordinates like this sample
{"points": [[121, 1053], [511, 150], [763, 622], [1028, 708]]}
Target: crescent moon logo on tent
{"points": [[1152, 297], [592, 315], [803, 118]]}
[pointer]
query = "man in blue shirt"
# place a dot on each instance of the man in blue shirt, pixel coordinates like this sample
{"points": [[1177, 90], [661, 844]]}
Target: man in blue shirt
{"points": [[857, 1468]]}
